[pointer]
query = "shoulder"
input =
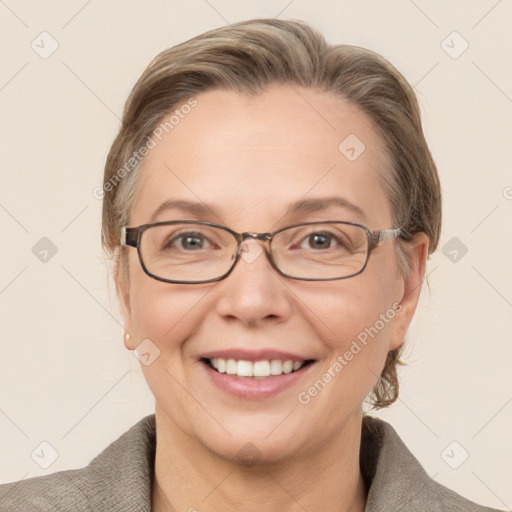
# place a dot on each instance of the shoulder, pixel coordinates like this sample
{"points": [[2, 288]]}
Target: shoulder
{"points": [[396, 479], [118, 479], [41, 493]]}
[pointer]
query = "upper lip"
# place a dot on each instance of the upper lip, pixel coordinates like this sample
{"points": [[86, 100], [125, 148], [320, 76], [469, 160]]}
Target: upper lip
{"points": [[254, 355]]}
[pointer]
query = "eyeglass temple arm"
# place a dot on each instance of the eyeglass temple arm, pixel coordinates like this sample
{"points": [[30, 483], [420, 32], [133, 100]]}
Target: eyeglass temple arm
{"points": [[385, 234], [388, 234], [129, 236]]}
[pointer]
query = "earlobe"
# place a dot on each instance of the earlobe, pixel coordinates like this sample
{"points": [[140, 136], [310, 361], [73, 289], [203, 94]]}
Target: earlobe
{"points": [[124, 303], [123, 297], [128, 341]]}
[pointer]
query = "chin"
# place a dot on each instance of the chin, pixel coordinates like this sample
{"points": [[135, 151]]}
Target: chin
{"points": [[254, 453]]}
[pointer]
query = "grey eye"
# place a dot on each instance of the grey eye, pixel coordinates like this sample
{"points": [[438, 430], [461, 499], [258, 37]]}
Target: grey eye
{"points": [[192, 242], [188, 241], [319, 240]]}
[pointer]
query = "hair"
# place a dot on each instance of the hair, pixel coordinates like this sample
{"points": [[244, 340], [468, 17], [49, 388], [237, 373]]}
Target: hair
{"points": [[249, 56]]}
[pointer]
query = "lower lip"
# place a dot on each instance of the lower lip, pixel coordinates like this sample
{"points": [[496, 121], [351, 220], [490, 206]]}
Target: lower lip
{"points": [[255, 388]]}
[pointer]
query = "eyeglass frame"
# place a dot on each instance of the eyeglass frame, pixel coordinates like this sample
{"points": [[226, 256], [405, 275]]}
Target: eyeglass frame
{"points": [[131, 237]]}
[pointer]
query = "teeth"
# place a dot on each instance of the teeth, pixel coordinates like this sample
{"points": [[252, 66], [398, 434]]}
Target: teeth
{"points": [[261, 369], [245, 369], [287, 366], [257, 369], [221, 365], [276, 367], [231, 366]]}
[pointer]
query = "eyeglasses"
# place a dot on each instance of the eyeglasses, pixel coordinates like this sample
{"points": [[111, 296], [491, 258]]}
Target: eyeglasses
{"points": [[192, 252]]}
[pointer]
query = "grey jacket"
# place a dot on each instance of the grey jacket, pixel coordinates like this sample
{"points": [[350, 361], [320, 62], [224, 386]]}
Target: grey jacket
{"points": [[119, 479]]}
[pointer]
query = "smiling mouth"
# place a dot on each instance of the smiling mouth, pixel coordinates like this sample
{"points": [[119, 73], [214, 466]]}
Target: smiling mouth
{"points": [[255, 369]]}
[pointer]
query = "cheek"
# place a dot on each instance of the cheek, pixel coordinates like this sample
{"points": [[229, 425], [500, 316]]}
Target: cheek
{"points": [[161, 312], [167, 317], [342, 311], [354, 321], [355, 325]]}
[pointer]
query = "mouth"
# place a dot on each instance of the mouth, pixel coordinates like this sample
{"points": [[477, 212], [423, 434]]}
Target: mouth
{"points": [[260, 369], [255, 374]]}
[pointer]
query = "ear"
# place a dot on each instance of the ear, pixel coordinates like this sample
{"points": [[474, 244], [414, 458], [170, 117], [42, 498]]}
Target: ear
{"points": [[122, 282], [416, 251]]}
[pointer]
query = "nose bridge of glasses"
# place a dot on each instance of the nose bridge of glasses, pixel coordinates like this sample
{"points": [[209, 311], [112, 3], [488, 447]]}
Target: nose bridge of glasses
{"points": [[256, 236], [263, 237]]}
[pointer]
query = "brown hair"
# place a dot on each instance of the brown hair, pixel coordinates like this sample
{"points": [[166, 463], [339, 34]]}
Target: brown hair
{"points": [[248, 56]]}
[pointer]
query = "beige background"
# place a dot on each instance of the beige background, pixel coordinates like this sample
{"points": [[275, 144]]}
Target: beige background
{"points": [[65, 376]]}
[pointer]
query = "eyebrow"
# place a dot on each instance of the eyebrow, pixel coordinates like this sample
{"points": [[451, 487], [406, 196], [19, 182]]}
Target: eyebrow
{"points": [[301, 207], [192, 207], [317, 204]]}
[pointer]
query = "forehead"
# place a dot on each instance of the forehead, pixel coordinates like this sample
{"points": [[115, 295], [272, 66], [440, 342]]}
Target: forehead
{"points": [[250, 157]]}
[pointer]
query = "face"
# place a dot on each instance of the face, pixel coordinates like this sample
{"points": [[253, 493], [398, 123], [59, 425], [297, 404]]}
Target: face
{"points": [[250, 159]]}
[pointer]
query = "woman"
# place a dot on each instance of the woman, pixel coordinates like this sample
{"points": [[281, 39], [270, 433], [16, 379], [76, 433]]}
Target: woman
{"points": [[270, 204]]}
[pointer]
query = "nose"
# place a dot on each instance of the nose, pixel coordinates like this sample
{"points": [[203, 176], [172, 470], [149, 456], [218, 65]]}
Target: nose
{"points": [[253, 292]]}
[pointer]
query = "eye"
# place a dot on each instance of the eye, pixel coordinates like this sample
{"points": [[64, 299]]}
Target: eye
{"points": [[188, 241], [320, 240]]}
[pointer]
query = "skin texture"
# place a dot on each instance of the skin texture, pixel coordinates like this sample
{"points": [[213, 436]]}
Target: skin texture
{"points": [[250, 157]]}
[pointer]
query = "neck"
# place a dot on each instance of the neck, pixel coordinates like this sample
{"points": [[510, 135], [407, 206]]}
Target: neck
{"points": [[189, 477]]}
